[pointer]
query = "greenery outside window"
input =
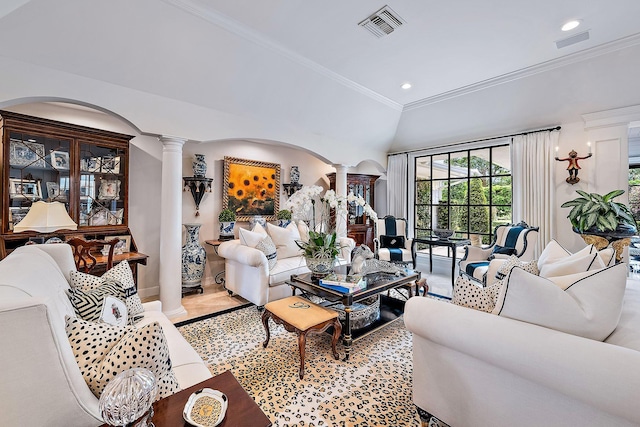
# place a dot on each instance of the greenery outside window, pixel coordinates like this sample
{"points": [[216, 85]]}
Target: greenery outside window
{"points": [[468, 191]]}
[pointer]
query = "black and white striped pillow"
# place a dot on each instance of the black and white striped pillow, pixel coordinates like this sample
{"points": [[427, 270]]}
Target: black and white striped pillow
{"points": [[88, 305], [120, 273]]}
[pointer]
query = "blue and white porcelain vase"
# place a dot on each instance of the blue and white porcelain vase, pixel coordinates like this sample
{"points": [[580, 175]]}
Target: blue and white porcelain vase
{"points": [[294, 175], [257, 219], [199, 166], [193, 257]]}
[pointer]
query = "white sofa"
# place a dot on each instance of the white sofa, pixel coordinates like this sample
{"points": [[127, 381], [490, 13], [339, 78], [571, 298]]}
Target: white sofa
{"points": [[247, 271], [472, 368], [40, 382]]}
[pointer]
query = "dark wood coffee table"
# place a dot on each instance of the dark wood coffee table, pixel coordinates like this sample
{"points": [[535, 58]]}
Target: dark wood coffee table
{"points": [[390, 308], [242, 409]]}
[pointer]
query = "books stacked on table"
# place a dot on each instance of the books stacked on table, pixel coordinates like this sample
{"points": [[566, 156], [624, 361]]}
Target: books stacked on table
{"points": [[343, 283]]}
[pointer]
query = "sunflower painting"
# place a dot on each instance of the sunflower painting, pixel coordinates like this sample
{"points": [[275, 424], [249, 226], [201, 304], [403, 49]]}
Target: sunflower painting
{"points": [[251, 188]]}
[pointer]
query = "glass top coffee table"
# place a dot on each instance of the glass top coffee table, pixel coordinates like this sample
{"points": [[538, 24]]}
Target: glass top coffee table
{"points": [[390, 308]]}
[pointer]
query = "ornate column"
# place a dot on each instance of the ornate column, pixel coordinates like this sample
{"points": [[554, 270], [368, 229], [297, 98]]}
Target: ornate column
{"points": [[171, 227], [341, 190]]}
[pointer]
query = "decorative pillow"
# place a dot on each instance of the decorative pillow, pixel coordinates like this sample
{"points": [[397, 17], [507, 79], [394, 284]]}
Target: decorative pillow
{"points": [[251, 238], [608, 256], [120, 274], [553, 251], [392, 242], [267, 247], [88, 305], [576, 263], [285, 240], [303, 229], [503, 250], [513, 261], [590, 307], [467, 293], [103, 351]]}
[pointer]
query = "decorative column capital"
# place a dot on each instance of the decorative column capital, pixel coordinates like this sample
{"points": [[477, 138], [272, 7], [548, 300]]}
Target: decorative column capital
{"points": [[172, 143], [340, 169]]}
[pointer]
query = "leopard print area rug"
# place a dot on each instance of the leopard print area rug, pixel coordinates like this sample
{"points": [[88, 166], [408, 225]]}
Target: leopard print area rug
{"points": [[372, 389]]}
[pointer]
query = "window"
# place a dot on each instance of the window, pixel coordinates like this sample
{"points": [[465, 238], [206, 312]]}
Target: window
{"points": [[634, 191], [466, 191]]}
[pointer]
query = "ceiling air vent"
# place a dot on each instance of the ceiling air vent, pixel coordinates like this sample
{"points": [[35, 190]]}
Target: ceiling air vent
{"points": [[383, 22], [580, 37]]}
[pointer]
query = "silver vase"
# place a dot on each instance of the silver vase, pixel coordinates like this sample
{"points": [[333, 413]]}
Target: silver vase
{"points": [[193, 257]]}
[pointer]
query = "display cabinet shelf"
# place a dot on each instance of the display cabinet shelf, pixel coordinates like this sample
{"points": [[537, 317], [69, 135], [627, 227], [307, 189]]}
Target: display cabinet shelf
{"points": [[84, 168]]}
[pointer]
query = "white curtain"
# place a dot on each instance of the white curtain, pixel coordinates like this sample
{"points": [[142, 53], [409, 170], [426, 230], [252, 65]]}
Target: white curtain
{"points": [[533, 171], [397, 189]]}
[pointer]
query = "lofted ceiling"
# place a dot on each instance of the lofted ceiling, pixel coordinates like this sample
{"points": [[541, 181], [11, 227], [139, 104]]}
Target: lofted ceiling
{"points": [[304, 72]]}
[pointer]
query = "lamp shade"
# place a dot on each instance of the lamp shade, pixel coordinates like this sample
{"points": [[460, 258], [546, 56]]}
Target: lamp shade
{"points": [[46, 217]]}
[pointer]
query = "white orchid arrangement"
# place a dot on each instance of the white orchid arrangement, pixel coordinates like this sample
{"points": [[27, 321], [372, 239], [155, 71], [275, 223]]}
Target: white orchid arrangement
{"points": [[303, 204]]}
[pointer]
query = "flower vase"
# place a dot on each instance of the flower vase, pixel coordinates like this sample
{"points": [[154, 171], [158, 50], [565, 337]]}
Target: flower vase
{"points": [[320, 267], [199, 166], [193, 257], [294, 175]]}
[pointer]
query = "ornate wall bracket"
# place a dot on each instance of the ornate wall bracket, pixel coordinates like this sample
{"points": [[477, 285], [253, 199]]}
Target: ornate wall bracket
{"points": [[289, 189], [198, 187]]}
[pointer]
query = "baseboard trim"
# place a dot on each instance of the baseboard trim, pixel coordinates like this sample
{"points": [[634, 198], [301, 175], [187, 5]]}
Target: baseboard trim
{"points": [[210, 315]]}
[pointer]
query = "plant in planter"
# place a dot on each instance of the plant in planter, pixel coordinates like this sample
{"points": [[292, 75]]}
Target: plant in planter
{"points": [[284, 217], [227, 219], [599, 215]]}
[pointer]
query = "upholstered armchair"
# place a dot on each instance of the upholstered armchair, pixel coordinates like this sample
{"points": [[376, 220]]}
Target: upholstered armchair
{"points": [[510, 239], [391, 241]]}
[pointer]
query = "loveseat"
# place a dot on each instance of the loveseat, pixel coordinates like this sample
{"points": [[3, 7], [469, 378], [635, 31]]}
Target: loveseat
{"points": [[247, 271], [40, 382], [474, 368]]}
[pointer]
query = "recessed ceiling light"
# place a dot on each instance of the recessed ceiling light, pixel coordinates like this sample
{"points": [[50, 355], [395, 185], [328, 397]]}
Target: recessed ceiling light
{"points": [[406, 86], [570, 25]]}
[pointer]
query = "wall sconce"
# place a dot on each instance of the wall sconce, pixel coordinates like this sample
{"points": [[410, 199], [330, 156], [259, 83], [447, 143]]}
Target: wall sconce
{"points": [[198, 186], [573, 166], [291, 188]]}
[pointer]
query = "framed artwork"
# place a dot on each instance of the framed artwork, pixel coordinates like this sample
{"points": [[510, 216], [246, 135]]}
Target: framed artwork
{"points": [[90, 164], [26, 154], [16, 215], [251, 188], [109, 189], [124, 245], [99, 216], [60, 160], [110, 164], [54, 193], [24, 189]]}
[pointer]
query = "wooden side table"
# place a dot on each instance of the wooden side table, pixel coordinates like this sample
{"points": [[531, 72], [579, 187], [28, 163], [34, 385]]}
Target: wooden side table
{"points": [[242, 409]]}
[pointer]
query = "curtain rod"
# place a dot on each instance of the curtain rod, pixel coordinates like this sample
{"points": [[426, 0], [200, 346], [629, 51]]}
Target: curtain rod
{"points": [[476, 140]]}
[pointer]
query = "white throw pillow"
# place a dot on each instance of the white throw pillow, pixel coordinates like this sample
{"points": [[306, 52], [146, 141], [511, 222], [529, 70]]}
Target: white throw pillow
{"points": [[576, 263], [552, 252], [303, 229], [468, 293], [251, 238], [590, 307], [608, 256], [285, 240]]}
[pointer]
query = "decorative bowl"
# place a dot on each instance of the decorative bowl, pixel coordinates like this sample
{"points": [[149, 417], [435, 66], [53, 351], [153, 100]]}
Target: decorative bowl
{"points": [[205, 408], [442, 233]]}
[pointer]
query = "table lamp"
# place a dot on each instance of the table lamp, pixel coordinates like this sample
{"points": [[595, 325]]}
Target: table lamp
{"points": [[46, 217]]}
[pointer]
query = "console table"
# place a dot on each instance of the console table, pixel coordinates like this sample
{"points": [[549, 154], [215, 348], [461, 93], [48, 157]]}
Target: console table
{"points": [[452, 243]]}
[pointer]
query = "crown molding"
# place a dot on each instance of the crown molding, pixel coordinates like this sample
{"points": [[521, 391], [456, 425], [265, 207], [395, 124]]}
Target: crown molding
{"points": [[243, 31], [583, 55]]}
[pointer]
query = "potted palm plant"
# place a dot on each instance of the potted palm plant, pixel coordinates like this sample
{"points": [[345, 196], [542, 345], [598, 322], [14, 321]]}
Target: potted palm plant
{"points": [[227, 219]]}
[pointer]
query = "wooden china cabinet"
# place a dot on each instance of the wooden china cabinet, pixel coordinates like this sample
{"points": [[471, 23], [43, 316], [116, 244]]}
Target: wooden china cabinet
{"points": [[359, 227], [86, 169]]}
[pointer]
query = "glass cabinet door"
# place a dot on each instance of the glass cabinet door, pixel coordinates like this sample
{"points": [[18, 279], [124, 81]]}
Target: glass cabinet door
{"points": [[102, 185], [39, 168]]}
